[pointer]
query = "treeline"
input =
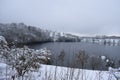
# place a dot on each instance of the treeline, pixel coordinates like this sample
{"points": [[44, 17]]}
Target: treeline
{"points": [[69, 38], [21, 33]]}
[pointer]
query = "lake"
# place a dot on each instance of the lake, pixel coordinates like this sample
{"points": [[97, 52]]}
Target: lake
{"points": [[71, 48]]}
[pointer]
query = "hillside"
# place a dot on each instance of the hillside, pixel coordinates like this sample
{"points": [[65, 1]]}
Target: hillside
{"points": [[21, 33]]}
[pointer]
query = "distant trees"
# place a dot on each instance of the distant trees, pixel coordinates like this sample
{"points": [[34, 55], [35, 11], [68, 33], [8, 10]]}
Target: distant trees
{"points": [[68, 38], [21, 33]]}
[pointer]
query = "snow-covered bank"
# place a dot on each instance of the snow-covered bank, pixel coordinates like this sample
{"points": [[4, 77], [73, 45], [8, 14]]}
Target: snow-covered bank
{"points": [[48, 72]]}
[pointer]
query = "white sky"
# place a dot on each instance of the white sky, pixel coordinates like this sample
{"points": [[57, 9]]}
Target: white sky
{"points": [[88, 17]]}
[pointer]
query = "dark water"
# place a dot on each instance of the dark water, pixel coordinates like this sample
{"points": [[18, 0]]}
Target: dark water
{"points": [[71, 48]]}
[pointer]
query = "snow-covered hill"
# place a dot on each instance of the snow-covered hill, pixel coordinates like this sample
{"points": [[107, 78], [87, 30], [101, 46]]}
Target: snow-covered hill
{"points": [[21, 33]]}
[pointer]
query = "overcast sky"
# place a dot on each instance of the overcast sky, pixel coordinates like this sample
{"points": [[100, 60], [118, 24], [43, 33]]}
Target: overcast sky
{"points": [[89, 17]]}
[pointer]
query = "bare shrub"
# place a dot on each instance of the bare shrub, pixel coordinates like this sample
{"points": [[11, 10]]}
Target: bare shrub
{"points": [[61, 57], [95, 62], [82, 58]]}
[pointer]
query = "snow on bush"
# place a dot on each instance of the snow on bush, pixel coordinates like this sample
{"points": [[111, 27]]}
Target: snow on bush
{"points": [[2, 40], [4, 49], [23, 60]]}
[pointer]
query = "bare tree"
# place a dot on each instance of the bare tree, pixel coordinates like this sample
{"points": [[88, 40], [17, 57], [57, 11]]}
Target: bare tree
{"points": [[61, 56], [95, 62], [82, 58]]}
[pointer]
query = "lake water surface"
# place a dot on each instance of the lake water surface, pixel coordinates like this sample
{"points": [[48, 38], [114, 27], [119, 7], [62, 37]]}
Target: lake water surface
{"points": [[71, 48]]}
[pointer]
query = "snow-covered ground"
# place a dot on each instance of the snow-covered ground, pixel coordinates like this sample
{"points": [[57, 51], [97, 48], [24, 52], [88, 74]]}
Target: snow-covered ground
{"points": [[49, 72], [57, 73]]}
